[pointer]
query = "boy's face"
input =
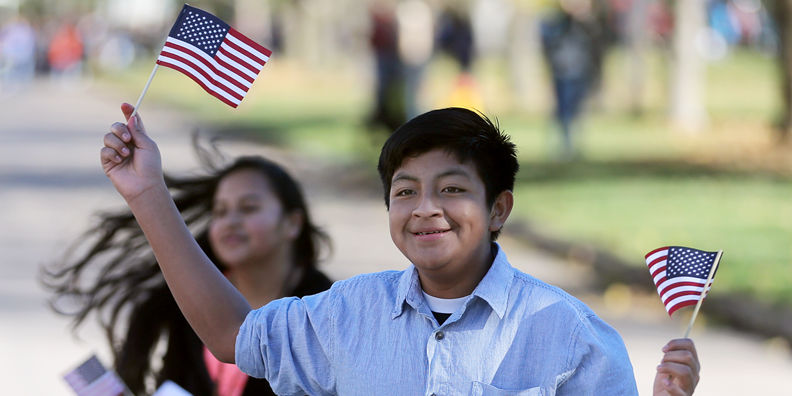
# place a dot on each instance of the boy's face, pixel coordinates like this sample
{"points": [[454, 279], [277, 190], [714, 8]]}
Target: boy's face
{"points": [[438, 214]]}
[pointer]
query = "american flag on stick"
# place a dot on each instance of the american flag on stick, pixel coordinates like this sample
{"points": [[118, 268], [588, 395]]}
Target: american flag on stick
{"points": [[221, 60], [92, 379], [681, 274]]}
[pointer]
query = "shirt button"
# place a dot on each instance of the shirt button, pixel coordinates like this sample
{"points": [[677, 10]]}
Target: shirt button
{"points": [[439, 335]]}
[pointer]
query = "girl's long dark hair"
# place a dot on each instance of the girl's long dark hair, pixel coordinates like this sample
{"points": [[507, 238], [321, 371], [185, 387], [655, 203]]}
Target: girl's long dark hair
{"points": [[111, 273]]}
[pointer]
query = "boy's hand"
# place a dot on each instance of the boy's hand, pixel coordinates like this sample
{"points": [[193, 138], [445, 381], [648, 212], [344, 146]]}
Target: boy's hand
{"points": [[130, 159], [678, 372]]}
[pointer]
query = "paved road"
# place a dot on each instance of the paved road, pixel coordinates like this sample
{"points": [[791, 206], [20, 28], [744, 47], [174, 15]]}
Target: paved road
{"points": [[50, 184]]}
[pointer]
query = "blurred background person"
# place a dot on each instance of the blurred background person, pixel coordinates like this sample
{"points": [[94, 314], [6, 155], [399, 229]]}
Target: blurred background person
{"points": [[572, 46], [250, 218], [416, 43], [65, 53], [389, 109], [455, 38], [17, 55]]}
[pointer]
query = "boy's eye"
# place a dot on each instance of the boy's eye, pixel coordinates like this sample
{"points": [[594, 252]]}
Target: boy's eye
{"points": [[452, 190], [403, 193]]}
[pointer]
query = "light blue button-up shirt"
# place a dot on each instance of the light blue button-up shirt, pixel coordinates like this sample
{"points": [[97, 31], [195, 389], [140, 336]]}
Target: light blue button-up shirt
{"points": [[375, 335]]}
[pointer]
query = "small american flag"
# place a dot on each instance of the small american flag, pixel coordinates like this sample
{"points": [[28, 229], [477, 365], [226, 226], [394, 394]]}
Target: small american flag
{"points": [[220, 59], [92, 379], [680, 274]]}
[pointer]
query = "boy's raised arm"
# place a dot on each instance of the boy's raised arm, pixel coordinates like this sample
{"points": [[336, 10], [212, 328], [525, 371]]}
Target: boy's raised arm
{"points": [[214, 308]]}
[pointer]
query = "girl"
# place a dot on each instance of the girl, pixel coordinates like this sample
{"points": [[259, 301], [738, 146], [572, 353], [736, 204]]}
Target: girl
{"points": [[249, 217]]}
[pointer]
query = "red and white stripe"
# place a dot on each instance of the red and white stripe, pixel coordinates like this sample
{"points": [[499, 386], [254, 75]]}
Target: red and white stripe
{"points": [[228, 75], [677, 292]]}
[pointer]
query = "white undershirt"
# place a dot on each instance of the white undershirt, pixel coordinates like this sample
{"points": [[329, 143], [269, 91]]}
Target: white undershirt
{"points": [[443, 305]]}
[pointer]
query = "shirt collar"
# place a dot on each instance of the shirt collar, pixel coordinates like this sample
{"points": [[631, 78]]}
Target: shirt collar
{"points": [[408, 291], [493, 288]]}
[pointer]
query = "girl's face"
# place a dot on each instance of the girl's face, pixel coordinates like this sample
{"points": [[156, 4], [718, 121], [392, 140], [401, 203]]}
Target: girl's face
{"points": [[248, 225]]}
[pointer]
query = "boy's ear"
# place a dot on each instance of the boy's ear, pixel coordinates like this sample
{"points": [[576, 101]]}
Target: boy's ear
{"points": [[501, 209]]}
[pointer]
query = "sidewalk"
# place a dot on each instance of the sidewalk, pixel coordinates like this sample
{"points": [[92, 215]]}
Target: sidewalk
{"points": [[51, 182]]}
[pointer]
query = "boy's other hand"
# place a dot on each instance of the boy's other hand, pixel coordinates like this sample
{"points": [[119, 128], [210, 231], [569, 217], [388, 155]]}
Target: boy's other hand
{"points": [[130, 159], [678, 372]]}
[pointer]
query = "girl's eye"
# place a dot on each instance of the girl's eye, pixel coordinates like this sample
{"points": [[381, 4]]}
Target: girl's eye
{"points": [[218, 212], [248, 208]]}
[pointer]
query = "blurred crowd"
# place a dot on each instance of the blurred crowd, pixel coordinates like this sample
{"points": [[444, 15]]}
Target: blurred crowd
{"points": [[400, 37], [60, 48]]}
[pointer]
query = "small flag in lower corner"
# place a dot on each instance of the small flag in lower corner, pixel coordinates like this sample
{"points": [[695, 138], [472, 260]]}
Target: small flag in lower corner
{"points": [[680, 274], [92, 379], [223, 61], [170, 388]]}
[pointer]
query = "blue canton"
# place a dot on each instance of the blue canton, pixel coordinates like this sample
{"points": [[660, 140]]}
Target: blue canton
{"points": [[684, 261], [201, 29]]}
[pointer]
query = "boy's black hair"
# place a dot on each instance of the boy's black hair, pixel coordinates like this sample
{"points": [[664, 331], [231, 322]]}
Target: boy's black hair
{"points": [[467, 135]]}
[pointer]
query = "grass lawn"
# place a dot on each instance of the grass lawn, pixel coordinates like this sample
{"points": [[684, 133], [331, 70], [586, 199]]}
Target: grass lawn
{"points": [[640, 184], [631, 209]]}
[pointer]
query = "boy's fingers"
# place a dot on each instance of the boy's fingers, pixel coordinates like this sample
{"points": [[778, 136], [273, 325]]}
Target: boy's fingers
{"points": [[679, 368], [127, 109], [676, 370], [679, 344], [121, 131], [135, 123], [673, 390], [114, 142], [108, 155], [682, 351], [681, 374], [683, 357]]}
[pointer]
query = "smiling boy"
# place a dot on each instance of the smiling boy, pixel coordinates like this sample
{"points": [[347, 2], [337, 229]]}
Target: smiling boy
{"points": [[459, 320], [439, 220]]}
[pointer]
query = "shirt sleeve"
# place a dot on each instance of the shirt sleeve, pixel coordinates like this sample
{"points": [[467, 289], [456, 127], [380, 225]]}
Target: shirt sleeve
{"points": [[599, 362], [288, 342]]}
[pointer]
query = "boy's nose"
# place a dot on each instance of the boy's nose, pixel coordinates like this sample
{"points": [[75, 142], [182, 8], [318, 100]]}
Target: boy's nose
{"points": [[427, 207]]}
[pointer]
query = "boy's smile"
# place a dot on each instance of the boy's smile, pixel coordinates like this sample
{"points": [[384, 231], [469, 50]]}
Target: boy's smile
{"points": [[440, 220]]}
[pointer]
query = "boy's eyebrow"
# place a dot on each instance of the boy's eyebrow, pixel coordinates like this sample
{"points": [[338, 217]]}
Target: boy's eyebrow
{"points": [[403, 176], [454, 172], [449, 172]]}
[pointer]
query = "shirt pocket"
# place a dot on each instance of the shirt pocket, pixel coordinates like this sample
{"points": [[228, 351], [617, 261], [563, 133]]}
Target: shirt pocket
{"points": [[482, 389]]}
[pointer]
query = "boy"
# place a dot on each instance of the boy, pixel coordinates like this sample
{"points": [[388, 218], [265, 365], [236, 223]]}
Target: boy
{"points": [[460, 320]]}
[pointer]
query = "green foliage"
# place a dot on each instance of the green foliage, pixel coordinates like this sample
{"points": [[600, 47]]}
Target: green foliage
{"points": [[631, 208]]}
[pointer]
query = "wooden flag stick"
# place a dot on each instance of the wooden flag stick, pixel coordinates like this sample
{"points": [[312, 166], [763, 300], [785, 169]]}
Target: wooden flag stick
{"points": [[703, 292], [145, 89]]}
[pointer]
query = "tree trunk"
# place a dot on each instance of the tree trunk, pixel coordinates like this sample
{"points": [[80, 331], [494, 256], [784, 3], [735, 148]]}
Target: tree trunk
{"points": [[688, 71], [254, 19], [781, 11], [638, 42], [524, 64]]}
